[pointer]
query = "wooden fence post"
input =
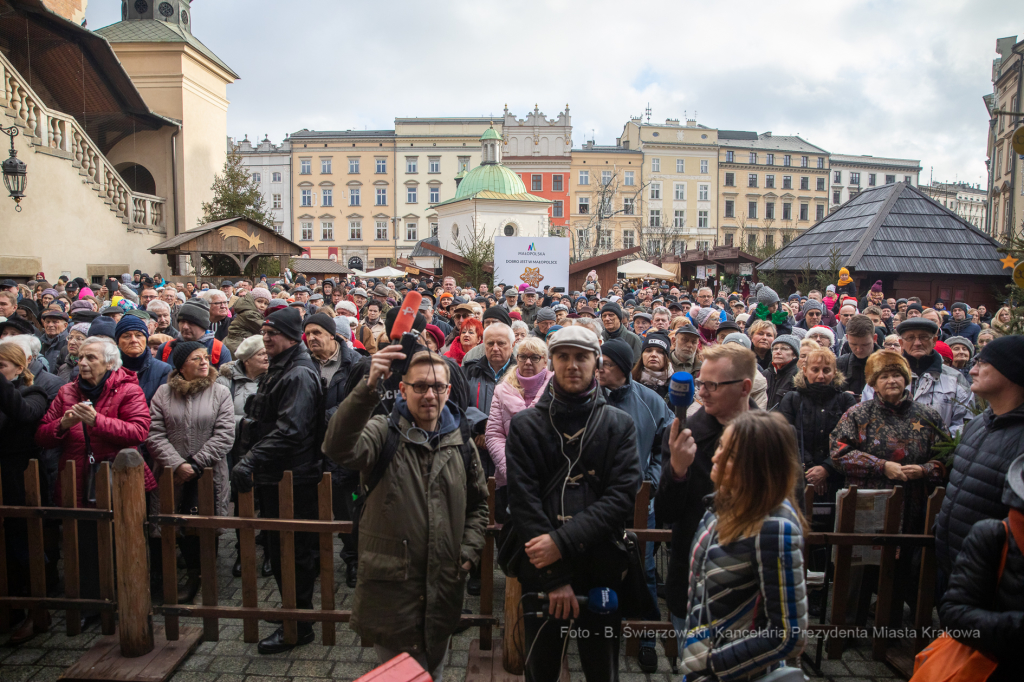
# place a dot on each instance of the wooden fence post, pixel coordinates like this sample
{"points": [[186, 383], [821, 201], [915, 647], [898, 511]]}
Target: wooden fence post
{"points": [[72, 582], [926, 578], [887, 574], [841, 583], [287, 543], [133, 603], [36, 555], [325, 498]]}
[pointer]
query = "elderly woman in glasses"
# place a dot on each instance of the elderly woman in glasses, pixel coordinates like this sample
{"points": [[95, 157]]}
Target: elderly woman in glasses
{"points": [[519, 390]]}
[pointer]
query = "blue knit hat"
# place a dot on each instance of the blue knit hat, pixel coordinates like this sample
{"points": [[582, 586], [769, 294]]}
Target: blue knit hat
{"points": [[130, 323], [103, 326]]}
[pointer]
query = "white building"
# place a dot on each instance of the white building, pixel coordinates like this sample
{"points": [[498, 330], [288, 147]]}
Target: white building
{"points": [[967, 201], [270, 166], [850, 174]]}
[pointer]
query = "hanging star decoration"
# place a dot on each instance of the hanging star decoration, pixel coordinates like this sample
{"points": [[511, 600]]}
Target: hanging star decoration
{"points": [[1008, 263], [916, 425], [532, 277]]}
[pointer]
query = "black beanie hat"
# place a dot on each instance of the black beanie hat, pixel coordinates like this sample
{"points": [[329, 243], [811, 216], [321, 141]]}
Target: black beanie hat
{"points": [[322, 320], [612, 308], [619, 352], [288, 321], [499, 314], [1006, 355], [182, 350], [657, 340], [418, 325]]}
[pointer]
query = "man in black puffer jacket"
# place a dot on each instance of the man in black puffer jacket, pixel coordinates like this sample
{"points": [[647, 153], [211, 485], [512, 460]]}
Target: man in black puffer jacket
{"points": [[982, 602], [282, 431], [572, 528], [989, 443]]}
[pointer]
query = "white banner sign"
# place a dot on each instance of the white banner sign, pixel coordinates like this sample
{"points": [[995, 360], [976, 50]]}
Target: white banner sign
{"points": [[538, 261], [702, 272]]}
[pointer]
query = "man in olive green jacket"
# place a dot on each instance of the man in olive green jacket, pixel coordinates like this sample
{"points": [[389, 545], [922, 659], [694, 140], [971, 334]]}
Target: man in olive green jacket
{"points": [[422, 527]]}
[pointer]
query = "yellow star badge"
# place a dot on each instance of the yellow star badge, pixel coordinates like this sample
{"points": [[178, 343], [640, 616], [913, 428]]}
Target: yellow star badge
{"points": [[916, 425], [1008, 263]]}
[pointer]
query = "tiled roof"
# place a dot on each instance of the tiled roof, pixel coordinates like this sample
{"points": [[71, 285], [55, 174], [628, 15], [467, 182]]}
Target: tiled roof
{"points": [[341, 133], [152, 31], [316, 266], [419, 251], [864, 159], [769, 142]]}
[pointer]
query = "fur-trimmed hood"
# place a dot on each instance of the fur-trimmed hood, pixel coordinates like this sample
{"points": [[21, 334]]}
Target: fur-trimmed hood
{"points": [[184, 388]]}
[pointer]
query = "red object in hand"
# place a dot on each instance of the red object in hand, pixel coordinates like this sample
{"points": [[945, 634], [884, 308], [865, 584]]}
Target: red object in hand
{"points": [[406, 314], [401, 668]]}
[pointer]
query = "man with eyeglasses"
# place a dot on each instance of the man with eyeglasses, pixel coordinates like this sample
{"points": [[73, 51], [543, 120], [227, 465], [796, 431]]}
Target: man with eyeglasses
{"points": [[425, 510], [726, 381], [220, 318], [281, 431]]}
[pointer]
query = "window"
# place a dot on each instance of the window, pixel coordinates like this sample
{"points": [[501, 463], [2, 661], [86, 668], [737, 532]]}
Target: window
{"points": [[382, 196], [803, 162], [890, 179], [411, 164], [463, 163], [770, 160], [584, 205], [556, 210], [305, 166], [680, 165], [752, 180], [410, 232], [753, 157], [730, 208], [353, 165], [327, 231], [353, 196], [655, 219], [556, 183], [584, 177], [277, 201], [837, 197], [656, 165], [605, 241], [751, 241], [703, 192], [256, 177], [628, 239], [276, 177], [325, 166], [680, 191], [629, 178], [382, 165], [582, 239], [803, 211], [435, 195], [769, 181], [307, 231], [819, 211], [606, 206], [654, 246], [704, 166], [769, 240], [786, 238], [434, 165], [805, 182], [769, 210], [307, 197], [536, 183], [410, 195], [730, 179], [628, 206], [278, 227], [655, 190], [872, 178], [787, 160], [787, 211], [381, 230], [728, 238], [702, 219], [906, 178], [433, 229], [355, 229], [821, 162], [327, 197], [606, 177], [679, 220], [787, 182], [820, 184], [837, 177], [752, 210], [729, 157]]}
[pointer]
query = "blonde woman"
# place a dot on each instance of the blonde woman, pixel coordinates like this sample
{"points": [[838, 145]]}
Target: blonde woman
{"points": [[1001, 320]]}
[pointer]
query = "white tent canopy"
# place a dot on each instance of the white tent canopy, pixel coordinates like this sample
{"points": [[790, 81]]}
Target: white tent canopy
{"points": [[387, 272], [641, 268]]}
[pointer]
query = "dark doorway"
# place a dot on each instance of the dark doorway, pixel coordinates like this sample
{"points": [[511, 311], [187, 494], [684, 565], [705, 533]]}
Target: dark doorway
{"points": [[138, 178]]}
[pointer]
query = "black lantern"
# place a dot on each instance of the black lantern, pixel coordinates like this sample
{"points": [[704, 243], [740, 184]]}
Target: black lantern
{"points": [[14, 170]]}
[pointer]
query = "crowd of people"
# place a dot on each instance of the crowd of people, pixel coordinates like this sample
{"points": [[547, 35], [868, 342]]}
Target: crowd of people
{"points": [[564, 399]]}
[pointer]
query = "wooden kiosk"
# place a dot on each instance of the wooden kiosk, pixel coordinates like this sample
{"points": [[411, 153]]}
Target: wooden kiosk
{"points": [[241, 239]]}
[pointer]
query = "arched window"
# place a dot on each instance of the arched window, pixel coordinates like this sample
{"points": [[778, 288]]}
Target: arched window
{"points": [[139, 179]]}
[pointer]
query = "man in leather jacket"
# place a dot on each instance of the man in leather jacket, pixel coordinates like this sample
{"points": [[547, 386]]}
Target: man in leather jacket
{"points": [[282, 431], [572, 436]]}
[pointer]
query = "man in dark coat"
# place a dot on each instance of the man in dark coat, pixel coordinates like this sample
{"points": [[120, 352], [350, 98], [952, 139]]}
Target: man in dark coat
{"points": [[861, 342]]}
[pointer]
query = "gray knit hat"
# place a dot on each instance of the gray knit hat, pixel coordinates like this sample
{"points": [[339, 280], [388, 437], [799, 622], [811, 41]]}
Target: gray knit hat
{"points": [[951, 341], [814, 305], [196, 311], [790, 341], [545, 315], [766, 295], [704, 313], [800, 333], [737, 337]]}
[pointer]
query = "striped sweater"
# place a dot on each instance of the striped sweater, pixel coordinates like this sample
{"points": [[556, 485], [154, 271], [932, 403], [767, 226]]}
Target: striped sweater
{"points": [[747, 606]]}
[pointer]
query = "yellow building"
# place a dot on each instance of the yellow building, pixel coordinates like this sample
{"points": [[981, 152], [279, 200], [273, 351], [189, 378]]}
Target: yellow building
{"points": [[679, 179], [604, 189], [771, 188], [366, 197]]}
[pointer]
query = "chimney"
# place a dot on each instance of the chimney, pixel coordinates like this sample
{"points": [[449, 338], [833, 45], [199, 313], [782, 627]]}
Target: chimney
{"points": [[691, 123]]}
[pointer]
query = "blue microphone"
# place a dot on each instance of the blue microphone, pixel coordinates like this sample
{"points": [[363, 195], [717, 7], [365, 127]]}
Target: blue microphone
{"points": [[602, 601], [680, 394]]}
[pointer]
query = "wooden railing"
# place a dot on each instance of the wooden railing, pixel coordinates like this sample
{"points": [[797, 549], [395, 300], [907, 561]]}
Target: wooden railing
{"points": [[60, 132]]}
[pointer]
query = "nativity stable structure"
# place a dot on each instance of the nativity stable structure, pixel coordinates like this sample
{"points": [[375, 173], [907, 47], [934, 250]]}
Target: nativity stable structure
{"points": [[240, 239]]}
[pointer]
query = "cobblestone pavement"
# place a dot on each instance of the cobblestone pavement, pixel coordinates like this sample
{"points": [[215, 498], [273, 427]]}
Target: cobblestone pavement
{"points": [[46, 656]]}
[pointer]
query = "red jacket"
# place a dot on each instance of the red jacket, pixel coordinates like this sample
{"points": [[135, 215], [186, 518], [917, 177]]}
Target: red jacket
{"points": [[122, 421]]}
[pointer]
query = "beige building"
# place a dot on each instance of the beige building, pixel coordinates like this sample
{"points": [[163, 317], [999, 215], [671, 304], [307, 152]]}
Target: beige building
{"points": [[850, 174], [679, 179], [771, 188], [365, 198], [967, 201], [1005, 211], [605, 200]]}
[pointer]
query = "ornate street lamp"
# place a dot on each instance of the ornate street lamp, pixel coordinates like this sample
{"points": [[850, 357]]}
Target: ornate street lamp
{"points": [[14, 170]]}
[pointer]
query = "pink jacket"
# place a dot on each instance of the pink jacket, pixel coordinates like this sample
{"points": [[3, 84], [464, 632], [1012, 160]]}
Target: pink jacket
{"points": [[506, 402]]}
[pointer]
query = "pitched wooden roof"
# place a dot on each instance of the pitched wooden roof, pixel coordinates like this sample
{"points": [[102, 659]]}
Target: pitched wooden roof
{"points": [[234, 235]]}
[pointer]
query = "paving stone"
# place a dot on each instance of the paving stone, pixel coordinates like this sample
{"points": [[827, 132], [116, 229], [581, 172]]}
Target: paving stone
{"points": [[24, 656], [19, 673], [191, 676], [50, 673], [231, 678], [834, 668], [869, 668], [311, 669], [228, 664], [352, 670], [266, 665], [196, 662]]}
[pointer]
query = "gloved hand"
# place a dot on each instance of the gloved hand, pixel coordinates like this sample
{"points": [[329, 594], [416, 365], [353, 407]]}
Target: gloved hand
{"points": [[241, 474]]}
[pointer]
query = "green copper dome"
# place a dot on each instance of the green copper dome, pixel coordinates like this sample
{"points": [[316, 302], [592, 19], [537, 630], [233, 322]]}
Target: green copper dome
{"points": [[490, 134], [490, 177]]}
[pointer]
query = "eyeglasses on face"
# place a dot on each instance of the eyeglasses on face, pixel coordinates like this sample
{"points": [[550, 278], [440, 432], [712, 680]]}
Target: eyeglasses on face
{"points": [[535, 359], [423, 387], [712, 386]]}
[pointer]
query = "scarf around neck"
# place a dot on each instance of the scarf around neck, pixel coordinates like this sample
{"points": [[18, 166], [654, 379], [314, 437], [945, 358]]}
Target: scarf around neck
{"points": [[532, 385], [652, 379], [574, 398], [93, 392]]}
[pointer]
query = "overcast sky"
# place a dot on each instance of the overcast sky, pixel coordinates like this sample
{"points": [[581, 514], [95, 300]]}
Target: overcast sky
{"points": [[883, 77]]}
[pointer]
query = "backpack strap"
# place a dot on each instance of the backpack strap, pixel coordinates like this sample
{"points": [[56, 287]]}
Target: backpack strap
{"points": [[215, 352], [1006, 549], [384, 459], [168, 347]]}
